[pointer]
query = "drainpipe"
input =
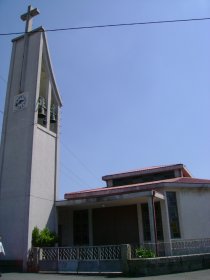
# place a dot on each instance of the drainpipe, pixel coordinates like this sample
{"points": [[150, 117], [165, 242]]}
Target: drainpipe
{"points": [[154, 219]]}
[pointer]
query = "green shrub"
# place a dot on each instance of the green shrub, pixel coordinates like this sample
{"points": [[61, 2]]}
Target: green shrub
{"points": [[35, 237], [145, 253], [43, 238]]}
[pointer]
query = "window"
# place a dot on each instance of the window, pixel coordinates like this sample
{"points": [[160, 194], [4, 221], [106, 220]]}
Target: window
{"points": [[145, 220], [173, 215], [159, 225], [81, 229], [143, 178]]}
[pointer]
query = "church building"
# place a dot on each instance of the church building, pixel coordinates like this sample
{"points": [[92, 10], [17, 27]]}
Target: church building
{"points": [[153, 205], [143, 206]]}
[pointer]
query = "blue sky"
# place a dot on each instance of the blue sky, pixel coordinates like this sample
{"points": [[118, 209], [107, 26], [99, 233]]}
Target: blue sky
{"points": [[133, 96]]}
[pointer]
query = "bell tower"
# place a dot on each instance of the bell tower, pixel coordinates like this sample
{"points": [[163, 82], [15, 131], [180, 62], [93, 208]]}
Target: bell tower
{"points": [[29, 143]]}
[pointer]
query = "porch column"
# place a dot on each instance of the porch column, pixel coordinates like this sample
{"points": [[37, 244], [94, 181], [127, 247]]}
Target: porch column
{"points": [[151, 219], [90, 227], [140, 224], [166, 226]]}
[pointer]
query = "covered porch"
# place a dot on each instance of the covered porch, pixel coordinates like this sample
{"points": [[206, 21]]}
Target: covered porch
{"points": [[135, 217]]}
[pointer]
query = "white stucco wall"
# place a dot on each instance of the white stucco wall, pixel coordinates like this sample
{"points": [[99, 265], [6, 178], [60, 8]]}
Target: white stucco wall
{"points": [[43, 164], [194, 213], [16, 146], [28, 157], [43, 181]]}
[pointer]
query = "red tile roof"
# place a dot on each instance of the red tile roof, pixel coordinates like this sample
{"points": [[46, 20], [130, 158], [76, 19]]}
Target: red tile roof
{"points": [[187, 181]]}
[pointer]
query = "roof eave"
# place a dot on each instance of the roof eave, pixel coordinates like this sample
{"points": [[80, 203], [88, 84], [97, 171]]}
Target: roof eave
{"points": [[107, 192]]}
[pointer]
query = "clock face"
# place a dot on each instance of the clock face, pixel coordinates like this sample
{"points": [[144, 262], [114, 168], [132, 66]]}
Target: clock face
{"points": [[20, 102]]}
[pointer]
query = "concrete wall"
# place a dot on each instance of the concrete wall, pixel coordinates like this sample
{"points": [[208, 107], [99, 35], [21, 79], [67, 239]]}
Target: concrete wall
{"points": [[16, 147], [115, 225], [43, 181], [28, 158], [166, 265], [194, 213]]}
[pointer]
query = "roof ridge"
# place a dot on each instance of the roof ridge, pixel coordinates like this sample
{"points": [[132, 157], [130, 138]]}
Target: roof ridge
{"points": [[145, 169]]}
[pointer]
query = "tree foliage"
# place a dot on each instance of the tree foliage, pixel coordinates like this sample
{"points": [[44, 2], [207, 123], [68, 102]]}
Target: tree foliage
{"points": [[43, 238]]}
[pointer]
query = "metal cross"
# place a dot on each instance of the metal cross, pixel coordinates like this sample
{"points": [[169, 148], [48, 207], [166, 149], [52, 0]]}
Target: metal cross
{"points": [[32, 12], [28, 18]]}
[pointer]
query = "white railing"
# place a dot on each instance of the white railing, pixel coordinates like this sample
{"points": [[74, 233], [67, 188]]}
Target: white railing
{"points": [[110, 252], [113, 252], [67, 258], [176, 247], [190, 246]]}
